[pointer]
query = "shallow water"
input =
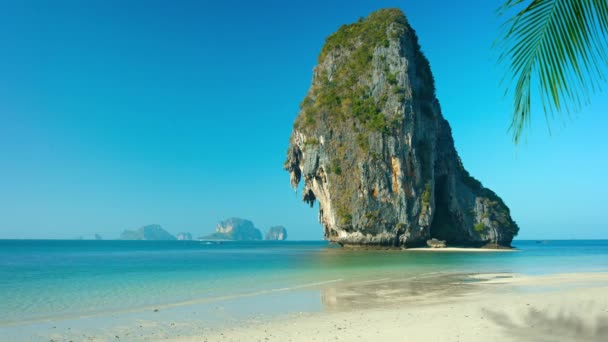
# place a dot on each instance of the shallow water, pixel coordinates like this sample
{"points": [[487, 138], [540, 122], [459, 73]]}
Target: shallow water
{"points": [[50, 280]]}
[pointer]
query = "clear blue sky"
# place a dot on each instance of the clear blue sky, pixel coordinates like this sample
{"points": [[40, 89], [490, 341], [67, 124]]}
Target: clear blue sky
{"points": [[115, 114]]}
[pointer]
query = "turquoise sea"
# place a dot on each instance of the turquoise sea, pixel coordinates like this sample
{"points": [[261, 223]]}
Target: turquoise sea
{"points": [[48, 280]]}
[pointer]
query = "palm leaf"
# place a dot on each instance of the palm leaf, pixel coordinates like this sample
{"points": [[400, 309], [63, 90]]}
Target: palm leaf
{"points": [[559, 44]]}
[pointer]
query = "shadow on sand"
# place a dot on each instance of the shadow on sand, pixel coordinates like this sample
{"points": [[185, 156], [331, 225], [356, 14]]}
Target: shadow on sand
{"points": [[559, 326]]}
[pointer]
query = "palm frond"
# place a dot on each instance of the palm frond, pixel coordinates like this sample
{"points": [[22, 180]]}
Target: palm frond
{"points": [[559, 44]]}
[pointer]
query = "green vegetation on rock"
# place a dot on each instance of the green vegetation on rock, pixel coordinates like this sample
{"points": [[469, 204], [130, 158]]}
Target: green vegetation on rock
{"points": [[370, 31], [426, 195], [345, 94]]}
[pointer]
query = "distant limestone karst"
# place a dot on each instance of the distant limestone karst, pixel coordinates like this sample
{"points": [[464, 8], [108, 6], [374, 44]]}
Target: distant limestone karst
{"points": [[276, 233], [149, 232], [235, 228], [184, 236]]}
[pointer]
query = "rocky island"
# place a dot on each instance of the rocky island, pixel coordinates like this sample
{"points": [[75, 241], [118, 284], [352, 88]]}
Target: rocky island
{"points": [[371, 145], [276, 233], [235, 229], [149, 232], [184, 236]]}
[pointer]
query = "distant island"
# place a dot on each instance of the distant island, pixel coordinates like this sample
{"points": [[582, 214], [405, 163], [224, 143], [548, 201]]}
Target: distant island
{"points": [[235, 228], [277, 233], [372, 146], [238, 229], [184, 236], [149, 232]]}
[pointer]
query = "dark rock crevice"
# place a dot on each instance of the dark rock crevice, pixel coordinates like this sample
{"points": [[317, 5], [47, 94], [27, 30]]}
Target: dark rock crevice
{"points": [[444, 226]]}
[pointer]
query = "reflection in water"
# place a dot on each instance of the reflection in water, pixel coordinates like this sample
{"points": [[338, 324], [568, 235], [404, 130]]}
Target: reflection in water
{"points": [[375, 278], [355, 295]]}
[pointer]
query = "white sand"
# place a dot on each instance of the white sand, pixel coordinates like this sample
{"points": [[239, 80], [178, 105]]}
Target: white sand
{"points": [[461, 249], [564, 307]]}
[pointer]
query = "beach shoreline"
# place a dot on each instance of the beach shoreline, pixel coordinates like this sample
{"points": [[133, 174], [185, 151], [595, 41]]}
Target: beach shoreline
{"points": [[295, 291], [559, 307], [461, 249], [429, 307]]}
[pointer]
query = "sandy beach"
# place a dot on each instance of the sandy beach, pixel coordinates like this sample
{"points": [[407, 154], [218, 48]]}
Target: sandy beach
{"points": [[461, 249], [432, 307], [496, 307]]}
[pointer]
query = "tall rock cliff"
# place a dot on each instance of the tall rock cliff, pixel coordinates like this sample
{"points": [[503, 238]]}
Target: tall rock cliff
{"points": [[371, 145]]}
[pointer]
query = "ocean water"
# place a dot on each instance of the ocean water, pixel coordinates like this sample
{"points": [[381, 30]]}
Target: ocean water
{"points": [[47, 280]]}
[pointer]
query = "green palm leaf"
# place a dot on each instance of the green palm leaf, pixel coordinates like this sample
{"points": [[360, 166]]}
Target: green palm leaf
{"points": [[561, 45]]}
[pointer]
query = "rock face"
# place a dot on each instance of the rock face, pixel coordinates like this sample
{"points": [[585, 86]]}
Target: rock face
{"points": [[235, 229], [184, 236], [149, 232], [278, 233], [371, 145]]}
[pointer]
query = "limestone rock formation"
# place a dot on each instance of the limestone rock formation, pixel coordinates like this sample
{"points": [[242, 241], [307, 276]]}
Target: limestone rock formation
{"points": [[235, 229], [371, 145], [149, 232], [278, 233]]}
